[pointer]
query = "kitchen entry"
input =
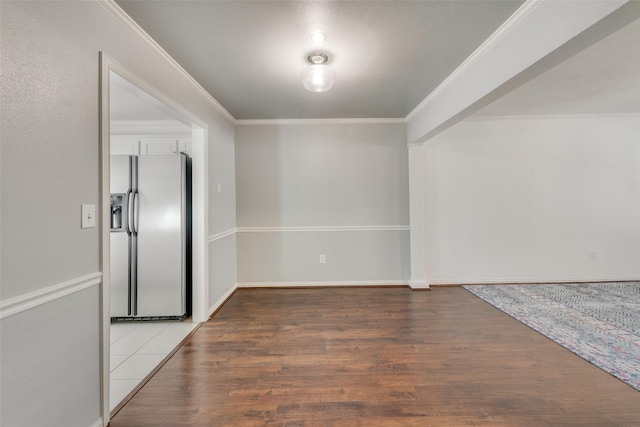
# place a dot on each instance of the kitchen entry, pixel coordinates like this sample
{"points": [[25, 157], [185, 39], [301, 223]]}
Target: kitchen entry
{"points": [[155, 291], [150, 207]]}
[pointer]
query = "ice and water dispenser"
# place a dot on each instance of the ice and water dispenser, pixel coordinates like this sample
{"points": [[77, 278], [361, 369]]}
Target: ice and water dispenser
{"points": [[118, 212]]}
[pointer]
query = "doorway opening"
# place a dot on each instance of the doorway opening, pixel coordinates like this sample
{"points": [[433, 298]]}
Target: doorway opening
{"points": [[137, 121]]}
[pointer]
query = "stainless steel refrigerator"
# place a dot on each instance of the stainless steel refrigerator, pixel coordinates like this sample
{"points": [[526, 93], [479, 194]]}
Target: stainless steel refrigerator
{"points": [[150, 237]]}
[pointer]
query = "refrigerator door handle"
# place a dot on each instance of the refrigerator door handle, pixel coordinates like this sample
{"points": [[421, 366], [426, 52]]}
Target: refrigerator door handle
{"points": [[135, 212], [133, 290], [130, 257], [133, 224], [130, 212]]}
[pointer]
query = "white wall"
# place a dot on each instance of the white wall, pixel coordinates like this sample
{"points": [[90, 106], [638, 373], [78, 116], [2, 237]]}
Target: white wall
{"points": [[534, 200], [50, 166], [50, 363], [339, 189], [222, 215]]}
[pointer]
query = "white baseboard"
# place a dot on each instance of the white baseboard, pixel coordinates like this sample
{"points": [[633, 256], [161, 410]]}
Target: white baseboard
{"points": [[25, 302], [319, 283], [221, 301], [98, 423], [525, 280], [419, 284]]}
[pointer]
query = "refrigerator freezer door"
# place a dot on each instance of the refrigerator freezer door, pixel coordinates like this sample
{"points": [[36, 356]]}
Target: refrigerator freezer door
{"points": [[161, 235], [119, 285], [120, 182]]}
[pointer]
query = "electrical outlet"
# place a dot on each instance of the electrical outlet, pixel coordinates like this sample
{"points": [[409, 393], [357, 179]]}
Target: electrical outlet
{"points": [[323, 259], [593, 256]]}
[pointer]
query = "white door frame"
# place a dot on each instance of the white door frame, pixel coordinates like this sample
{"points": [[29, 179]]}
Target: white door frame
{"points": [[200, 220]]}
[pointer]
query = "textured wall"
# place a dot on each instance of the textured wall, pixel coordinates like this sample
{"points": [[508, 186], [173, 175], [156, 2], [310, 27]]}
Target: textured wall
{"points": [[318, 176], [534, 200], [50, 363], [50, 166]]}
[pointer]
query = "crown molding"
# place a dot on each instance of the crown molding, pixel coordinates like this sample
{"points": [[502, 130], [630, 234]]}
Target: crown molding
{"points": [[150, 127], [320, 121], [583, 116], [511, 23], [135, 29]]}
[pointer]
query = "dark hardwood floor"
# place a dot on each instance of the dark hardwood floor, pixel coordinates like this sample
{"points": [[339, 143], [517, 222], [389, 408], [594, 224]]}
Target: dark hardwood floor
{"points": [[374, 357]]}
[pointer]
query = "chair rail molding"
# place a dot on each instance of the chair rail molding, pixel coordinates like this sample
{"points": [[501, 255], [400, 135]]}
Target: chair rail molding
{"points": [[323, 229], [222, 235], [25, 302]]}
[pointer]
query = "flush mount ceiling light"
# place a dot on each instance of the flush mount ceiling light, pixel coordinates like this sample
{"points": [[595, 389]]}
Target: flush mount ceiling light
{"points": [[318, 77], [317, 37], [317, 58]]}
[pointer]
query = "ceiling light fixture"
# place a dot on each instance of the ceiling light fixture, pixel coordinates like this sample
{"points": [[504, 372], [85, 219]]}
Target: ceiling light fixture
{"points": [[318, 77], [317, 37]]}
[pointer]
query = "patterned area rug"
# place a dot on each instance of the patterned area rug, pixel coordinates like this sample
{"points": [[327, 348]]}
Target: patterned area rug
{"points": [[599, 322]]}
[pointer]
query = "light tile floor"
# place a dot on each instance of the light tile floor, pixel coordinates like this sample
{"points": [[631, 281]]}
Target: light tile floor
{"points": [[137, 348]]}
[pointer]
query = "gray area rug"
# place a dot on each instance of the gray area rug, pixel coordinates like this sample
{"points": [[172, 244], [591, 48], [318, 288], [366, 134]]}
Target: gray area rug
{"points": [[599, 322]]}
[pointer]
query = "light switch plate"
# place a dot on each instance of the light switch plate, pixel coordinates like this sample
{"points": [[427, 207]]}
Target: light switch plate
{"points": [[88, 216]]}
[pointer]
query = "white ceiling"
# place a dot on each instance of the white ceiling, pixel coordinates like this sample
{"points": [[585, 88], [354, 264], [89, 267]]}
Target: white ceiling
{"points": [[128, 104], [388, 55], [603, 78]]}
